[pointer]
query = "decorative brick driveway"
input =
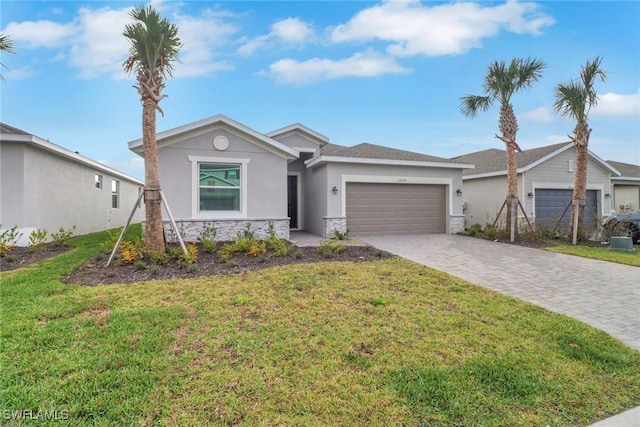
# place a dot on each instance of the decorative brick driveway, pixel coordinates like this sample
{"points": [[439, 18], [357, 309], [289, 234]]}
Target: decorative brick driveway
{"points": [[599, 293]]}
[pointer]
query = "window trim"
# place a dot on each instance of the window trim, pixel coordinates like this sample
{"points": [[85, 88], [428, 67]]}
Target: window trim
{"points": [[97, 181], [115, 193], [195, 187]]}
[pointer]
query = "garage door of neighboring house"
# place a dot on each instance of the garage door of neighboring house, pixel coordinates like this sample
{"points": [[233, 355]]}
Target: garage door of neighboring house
{"points": [[395, 208], [551, 203]]}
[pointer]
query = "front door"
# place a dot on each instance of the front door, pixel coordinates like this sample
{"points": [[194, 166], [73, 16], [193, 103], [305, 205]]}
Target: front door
{"points": [[292, 200]]}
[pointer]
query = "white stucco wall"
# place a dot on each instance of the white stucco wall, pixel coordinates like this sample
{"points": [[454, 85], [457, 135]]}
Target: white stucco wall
{"points": [[49, 191], [626, 198]]}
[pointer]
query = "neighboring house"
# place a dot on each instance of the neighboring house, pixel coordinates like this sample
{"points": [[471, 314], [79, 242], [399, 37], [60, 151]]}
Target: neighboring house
{"points": [[626, 188], [545, 182], [45, 186], [220, 171]]}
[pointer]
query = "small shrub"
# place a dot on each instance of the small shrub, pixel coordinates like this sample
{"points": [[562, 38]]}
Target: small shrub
{"points": [[61, 238], [37, 238], [140, 265], [258, 248], [329, 248], [156, 258], [338, 235], [247, 233], [173, 251], [225, 253], [207, 238], [130, 252], [297, 254], [8, 240], [491, 232], [191, 257], [192, 268], [277, 246], [474, 229], [112, 239], [155, 269], [272, 231]]}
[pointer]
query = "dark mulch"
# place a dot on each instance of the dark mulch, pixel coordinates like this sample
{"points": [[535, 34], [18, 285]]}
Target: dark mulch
{"points": [[95, 273], [21, 257]]}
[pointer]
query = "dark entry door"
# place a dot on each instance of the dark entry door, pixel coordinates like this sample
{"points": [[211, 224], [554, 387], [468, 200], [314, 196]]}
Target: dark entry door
{"points": [[292, 200]]}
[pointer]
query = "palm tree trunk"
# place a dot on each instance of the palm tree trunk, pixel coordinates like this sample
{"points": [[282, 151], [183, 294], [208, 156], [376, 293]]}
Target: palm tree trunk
{"points": [[581, 141], [154, 236], [509, 128]]}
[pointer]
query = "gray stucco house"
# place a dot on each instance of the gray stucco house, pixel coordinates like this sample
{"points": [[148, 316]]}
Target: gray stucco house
{"points": [[626, 188], [46, 186], [545, 182], [220, 171]]}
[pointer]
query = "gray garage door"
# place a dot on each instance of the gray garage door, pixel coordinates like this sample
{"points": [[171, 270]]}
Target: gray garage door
{"points": [[551, 203], [395, 208]]}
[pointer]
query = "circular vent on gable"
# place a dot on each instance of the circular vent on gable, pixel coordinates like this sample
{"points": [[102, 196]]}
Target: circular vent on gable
{"points": [[220, 143]]}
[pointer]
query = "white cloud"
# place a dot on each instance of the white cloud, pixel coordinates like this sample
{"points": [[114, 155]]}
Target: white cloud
{"points": [[20, 73], [288, 32], [132, 166], [541, 114], [615, 104], [364, 64], [35, 34], [452, 28]]}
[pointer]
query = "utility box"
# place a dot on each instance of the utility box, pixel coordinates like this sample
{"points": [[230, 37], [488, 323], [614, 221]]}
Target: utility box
{"points": [[621, 244]]}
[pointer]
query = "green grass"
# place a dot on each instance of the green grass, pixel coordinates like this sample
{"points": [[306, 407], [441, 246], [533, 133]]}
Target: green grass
{"points": [[601, 253], [379, 343]]}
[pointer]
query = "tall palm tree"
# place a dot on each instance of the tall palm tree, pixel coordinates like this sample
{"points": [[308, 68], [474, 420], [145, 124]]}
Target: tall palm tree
{"points": [[6, 45], [575, 99], [500, 83], [154, 46]]}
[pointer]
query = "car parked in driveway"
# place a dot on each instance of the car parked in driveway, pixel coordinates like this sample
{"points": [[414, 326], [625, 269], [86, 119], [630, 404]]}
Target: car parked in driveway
{"points": [[627, 225]]}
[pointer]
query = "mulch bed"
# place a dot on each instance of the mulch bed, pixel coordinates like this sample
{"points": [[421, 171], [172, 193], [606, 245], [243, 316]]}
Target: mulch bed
{"points": [[95, 273], [22, 256]]}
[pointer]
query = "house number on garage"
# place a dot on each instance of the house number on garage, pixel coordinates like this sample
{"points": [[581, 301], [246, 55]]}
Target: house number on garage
{"points": [[402, 180]]}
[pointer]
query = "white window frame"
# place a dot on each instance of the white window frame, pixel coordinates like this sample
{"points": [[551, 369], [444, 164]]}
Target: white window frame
{"points": [[115, 193], [195, 187], [97, 181]]}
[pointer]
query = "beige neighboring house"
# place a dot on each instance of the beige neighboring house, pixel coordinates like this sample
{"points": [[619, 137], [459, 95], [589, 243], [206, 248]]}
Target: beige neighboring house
{"points": [[545, 182], [219, 171], [626, 188], [46, 186]]}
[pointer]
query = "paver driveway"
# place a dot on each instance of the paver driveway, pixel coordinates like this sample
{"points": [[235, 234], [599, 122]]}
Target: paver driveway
{"points": [[599, 293]]}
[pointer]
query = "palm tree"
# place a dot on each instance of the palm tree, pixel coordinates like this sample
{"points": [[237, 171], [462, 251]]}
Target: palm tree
{"points": [[6, 45], [154, 46], [575, 99], [500, 83]]}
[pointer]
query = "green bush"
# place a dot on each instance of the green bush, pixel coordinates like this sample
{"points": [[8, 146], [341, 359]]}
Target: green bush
{"points": [[112, 239], [329, 248], [191, 257], [156, 258], [8, 240], [207, 238], [61, 238], [278, 247], [37, 239]]}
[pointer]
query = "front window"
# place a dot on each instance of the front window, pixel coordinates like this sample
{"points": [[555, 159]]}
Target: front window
{"points": [[115, 194], [220, 187]]}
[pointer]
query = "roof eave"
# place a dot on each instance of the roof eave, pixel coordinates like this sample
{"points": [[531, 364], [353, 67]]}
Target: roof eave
{"points": [[337, 159]]}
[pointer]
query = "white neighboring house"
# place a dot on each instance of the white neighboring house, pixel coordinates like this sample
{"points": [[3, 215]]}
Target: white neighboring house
{"points": [[46, 186]]}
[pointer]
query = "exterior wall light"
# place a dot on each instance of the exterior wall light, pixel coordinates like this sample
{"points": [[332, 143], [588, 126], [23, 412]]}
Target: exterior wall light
{"points": [[530, 195], [334, 190], [608, 195], [459, 192]]}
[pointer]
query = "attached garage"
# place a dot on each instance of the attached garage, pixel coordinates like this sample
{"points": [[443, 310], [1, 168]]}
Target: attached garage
{"points": [[550, 203], [382, 208]]}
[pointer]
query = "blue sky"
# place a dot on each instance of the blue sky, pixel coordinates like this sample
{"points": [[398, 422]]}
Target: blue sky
{"points": [[389, 73]]}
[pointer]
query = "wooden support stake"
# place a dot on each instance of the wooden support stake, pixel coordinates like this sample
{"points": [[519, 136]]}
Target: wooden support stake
{"points": [[173, 223], [124, 229], [499, 213], [555, 229], [512, 212], [525, 216]]}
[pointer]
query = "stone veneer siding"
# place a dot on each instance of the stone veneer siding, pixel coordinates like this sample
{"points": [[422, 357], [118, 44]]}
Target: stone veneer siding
{"points": [[228, 229], [456, 224], [333, 224]]}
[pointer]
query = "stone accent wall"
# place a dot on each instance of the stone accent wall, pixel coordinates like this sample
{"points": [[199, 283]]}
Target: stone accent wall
{"points": [[228, 229], [456, 224], [331, 224]]}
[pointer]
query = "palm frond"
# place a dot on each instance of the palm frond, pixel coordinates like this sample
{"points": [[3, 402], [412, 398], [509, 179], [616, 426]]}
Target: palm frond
{"points": [[575, 98], [6, 44], [470, 105]]}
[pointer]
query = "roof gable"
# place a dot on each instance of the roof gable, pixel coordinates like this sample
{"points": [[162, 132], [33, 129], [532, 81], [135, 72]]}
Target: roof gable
{"points": [[493, 162], [177, 134], [302, 130]]}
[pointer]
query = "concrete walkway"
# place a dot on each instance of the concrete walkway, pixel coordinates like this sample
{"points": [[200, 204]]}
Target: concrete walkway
{"points": [[602, 294]]}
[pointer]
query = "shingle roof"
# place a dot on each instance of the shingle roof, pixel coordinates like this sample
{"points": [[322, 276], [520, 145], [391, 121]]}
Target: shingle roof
{"points": [[372, 151], [626, 169], [495, 160]]}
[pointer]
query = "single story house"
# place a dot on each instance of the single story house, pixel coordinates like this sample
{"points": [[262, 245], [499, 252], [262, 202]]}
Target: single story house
{"points": [[220, 171], [626, 188], [545, 182], [46, 186]]}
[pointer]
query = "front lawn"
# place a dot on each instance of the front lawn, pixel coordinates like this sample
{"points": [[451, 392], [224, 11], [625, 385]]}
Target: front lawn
{"points": [[372, 343], [601, 253]]}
